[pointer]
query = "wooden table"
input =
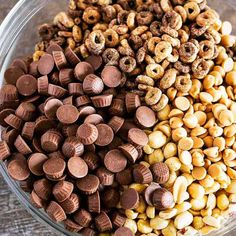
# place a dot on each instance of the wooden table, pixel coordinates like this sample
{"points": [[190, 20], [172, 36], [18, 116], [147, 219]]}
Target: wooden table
{"points": [[14, 219]]}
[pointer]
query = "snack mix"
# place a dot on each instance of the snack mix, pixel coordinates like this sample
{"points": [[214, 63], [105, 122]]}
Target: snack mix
{"points": [[123, 121]]}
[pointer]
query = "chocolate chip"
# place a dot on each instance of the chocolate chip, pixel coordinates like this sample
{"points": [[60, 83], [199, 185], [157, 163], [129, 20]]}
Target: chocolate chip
{"points": [[115, 161], [129, 199], [111, 76], [162, 199]]}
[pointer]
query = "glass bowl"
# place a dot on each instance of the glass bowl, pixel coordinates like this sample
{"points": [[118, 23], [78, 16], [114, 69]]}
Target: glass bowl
{"points": [[18, 37]]}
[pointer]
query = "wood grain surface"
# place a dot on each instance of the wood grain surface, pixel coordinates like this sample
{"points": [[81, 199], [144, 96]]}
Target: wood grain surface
{"points": [[14, 219]]}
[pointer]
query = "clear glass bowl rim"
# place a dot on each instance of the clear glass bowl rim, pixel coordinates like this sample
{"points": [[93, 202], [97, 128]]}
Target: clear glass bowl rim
{"points": [[10, 28]]}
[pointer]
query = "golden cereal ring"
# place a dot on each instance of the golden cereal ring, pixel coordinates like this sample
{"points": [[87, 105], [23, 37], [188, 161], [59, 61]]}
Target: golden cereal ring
{"points": [[154, 71], [91, 15], [153, 96], [111, 38], [162, 50], [161, 104], [168, 79]]}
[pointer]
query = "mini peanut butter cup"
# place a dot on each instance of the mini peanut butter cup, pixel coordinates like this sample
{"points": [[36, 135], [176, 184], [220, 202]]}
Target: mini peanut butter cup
{"points": [[71, 57], [72, 226], [53, 47], [137, 137], [94, 204], [72, 147], [4, 150], [111, 76], [95, 61], [92, 85], [102, 100], [77, 167], [129, 199], [5, 113], [94, 119], [103, 222], [67, 114], [130, 152], [85, 111], [142, 174], [82, 101], [57, 154], [50, 108], [162, 199], [42, 84], [105, 135], [115, 161], [42, 125], [23, 65], [45, 64], [59, 59], [92, 160], [75, 89], [55, 212], [88, 232], [54, 78], [128, 125], [145, 117], [26, 111], [13, 121], [161, 172], [28, 130], [54, 167], [71, 204], [148, 193], [87, 133], [123, 231], [88, 185], [66, 76], [105, 176], [132, 102], [118, 220], [51, 140], [35, 163], [116, 123], [18, 169], [116, 142], [33, 69], [62, 190], [83, 69], [56, 91], [117, 107], [27, 85], [12, 74], [8, 93], [69, 130], [36, 200], [125, 177], [83, 217], [22, 146], [111, 197], [68, 100], [43, 188]]}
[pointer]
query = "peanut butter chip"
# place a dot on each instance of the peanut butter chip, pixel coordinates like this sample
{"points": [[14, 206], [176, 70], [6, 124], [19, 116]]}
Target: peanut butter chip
{"points": [[182, 103]]}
